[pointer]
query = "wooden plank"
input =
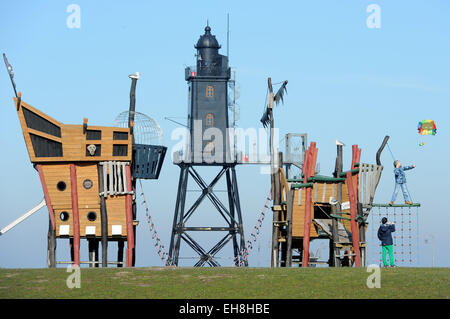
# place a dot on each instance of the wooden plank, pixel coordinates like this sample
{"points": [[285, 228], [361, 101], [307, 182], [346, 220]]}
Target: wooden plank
{"points": [[55, 173], [115, 207], [298, 214], [75, 213]]}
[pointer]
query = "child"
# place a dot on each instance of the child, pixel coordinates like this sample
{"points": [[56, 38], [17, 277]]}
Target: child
{"points": [[400, 182], [385, 235]]}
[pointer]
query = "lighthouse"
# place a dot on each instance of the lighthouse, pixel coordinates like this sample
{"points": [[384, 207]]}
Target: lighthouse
{"points": [[208, 146]]}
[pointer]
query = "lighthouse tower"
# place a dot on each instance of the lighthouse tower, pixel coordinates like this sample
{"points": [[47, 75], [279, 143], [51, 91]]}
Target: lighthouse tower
{"points": [[208, 146]]}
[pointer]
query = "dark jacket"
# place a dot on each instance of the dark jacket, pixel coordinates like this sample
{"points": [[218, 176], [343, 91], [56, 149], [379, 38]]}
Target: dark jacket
{"points": [[385, 234]]}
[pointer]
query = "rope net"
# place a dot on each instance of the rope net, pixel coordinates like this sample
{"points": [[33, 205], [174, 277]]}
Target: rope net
{"points": [[405, 237], [245, 252], [160, 249]]}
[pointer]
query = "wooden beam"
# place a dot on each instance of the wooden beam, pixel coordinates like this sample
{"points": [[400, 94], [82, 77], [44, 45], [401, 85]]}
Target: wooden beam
{"points": [[75, 214], [353, 223], [310, 170], [51, 245], [104, 218], [129, 216], [48, 202], [290, 209]]}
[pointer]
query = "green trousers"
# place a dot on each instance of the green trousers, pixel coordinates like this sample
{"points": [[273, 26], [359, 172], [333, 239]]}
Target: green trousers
{"points": [[389, 249]]}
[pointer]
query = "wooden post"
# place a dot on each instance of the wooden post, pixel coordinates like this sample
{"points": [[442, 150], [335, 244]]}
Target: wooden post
{"points": [[91, 249], [51, 248], [129, 215], [276, 213], [362, 235], [96, 253], [308, 205], [274, 253], [104, 218], [75, 214], [336, 208], [120, 245], [71, 249], [290, 209], [353, 223], [48, 202]]}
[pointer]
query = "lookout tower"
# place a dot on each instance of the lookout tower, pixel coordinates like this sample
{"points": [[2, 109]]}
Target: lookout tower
{"points": [[208, 145]]}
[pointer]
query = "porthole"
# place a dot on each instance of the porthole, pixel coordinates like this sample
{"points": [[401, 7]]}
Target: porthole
{"points": [[64, 216], [87, 183], [61, 186], [91, 216]]}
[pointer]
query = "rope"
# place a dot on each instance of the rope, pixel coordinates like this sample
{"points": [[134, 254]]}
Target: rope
{"points": [[243, 254], [392, 154], [165, 258]]}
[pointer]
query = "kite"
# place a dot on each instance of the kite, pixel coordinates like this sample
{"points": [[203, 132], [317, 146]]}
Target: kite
{"points": [[427, 127], [422, 144]]}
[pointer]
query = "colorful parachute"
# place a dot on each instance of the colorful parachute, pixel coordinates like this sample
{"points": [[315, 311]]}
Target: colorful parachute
{"points": [[427, 127]]}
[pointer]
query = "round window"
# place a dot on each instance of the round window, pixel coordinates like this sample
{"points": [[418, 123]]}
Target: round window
{"points": [[87, 183], [91, 216], [64, 216], [61, 186]]}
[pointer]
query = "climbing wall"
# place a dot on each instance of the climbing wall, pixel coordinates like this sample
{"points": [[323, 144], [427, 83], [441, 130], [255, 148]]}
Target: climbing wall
{"points": [[406, 236]]}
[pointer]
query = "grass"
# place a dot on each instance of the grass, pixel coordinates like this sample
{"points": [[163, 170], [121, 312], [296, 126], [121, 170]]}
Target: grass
{"points": [[225, 283]]}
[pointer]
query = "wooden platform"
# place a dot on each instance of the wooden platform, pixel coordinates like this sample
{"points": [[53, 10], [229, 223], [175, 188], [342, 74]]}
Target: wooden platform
{"points": [[344, 236]]}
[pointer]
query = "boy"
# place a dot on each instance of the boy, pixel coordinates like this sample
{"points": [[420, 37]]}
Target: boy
{"points": [[385, 236], [400, 182]]}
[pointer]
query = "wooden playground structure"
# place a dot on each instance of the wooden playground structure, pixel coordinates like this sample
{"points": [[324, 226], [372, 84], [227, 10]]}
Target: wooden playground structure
{"points": [[323, 207], [88, 175]]}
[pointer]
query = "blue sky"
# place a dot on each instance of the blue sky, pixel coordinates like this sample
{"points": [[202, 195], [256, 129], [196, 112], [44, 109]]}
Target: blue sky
{"points": [[346, 81]]}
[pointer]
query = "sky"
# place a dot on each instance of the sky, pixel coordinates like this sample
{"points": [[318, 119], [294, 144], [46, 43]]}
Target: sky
{"points": [[346, 81]]}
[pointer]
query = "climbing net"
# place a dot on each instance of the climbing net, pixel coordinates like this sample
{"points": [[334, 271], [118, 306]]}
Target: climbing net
{"points": [[406, 235], [243, 254], [165, 258]]}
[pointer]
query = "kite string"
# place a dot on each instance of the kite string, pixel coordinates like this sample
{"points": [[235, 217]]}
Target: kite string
{"points": [[392, 154], [393, 157]]}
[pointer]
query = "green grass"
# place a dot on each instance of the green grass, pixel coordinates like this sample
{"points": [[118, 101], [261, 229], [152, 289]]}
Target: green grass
{"points": [[225, 283]]}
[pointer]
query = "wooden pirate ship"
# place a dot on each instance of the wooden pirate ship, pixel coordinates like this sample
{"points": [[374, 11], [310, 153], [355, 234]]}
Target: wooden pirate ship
{"points": [[324, 207], [88, 175]]}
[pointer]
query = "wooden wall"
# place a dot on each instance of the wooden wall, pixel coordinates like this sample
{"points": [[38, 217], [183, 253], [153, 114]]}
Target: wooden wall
{"points": [[88, 199], [298, 217], [71, 138]]}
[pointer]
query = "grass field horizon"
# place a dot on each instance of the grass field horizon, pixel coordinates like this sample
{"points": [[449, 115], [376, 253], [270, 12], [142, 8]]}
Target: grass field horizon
{"points": [[226, 283]]}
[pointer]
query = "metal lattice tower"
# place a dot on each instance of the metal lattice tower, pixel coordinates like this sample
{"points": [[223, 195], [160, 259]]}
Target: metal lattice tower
{"points": [[208, 96]]}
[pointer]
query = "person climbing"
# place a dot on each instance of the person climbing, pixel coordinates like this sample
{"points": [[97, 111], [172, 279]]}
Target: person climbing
{"points": [[385, 236], [400, 182]]}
